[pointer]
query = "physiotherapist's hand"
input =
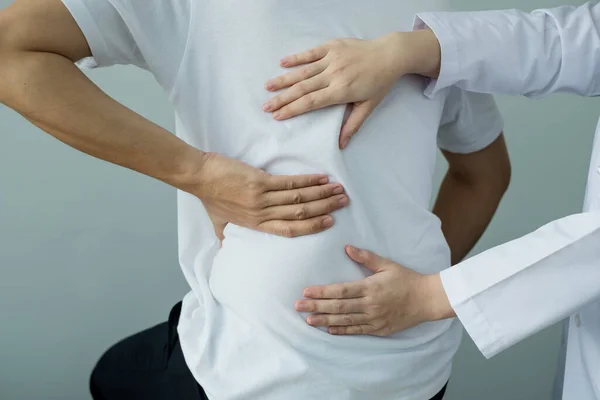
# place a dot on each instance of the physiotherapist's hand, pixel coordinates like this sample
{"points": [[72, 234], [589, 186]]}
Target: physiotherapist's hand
{"points": [[391, 300], [237, 193], [359, 72]]}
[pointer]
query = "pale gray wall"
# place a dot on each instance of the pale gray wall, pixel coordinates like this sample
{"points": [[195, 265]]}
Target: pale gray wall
{"points": [[88, 250]]}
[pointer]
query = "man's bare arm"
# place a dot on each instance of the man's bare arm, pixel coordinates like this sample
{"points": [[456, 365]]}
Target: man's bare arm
{"points": [[39, 42], [470, 194]]}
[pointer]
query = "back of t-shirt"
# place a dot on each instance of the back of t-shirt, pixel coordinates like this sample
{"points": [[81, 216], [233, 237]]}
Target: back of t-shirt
{"points": [[241, 337]]}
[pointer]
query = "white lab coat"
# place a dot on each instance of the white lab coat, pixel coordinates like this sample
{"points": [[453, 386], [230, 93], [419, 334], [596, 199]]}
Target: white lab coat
{"points": [[519, 288]]}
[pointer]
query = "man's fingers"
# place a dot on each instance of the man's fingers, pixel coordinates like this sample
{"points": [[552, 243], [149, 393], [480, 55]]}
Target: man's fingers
{"points": [[219, 229], [300, 74], [309, 102], [300, 88], [296, 228], [338, 319], [349, 290], [345, 306], [283, 182], [303, 211], [218, 226], [358, 116], [303, 195], [370, 260], [352, 330], [308, 56]]}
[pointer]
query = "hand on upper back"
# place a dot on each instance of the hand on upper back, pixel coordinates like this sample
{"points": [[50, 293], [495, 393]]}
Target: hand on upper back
{"points": [[289, 206], [44, 26], [351, 71], [338, 72]]}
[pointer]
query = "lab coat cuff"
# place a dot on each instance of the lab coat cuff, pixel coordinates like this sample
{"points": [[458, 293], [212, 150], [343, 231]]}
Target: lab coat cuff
{"points": [[450, 62], [469, 313]]}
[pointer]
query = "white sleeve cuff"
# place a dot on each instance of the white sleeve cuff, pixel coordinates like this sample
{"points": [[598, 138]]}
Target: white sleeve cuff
{"points": [[470, 315], [450, 63]]}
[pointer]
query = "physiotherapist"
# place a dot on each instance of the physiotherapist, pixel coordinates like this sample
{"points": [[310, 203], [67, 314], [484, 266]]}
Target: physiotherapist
{"points": [[511, 291]]}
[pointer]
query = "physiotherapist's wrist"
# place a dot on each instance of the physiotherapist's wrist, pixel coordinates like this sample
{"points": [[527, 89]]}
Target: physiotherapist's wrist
{"points": [[419, 52], [436, 305]]}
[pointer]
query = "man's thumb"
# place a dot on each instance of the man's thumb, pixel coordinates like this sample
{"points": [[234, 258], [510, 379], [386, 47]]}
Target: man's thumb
{"points": [[219, 228], [219, 231]]}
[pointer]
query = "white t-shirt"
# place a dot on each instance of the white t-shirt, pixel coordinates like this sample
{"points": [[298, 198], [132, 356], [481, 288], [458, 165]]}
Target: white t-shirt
{"points": [[240, 334]]}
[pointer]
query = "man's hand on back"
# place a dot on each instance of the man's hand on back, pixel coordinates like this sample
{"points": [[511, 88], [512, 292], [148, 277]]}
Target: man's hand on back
{"points": [[283, 205], [38, 45]]}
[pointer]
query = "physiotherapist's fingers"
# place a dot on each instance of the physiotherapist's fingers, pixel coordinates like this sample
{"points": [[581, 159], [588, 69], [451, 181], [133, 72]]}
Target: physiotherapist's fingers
{"points": [[306, 210], [360, 112], [364, 329], [303, 195], [338, 319], [291, 78], [292, 229], [348, 290], [283, 182], [309, 102], [295, 92], [370, 260], [337, 306], [308, 56]]}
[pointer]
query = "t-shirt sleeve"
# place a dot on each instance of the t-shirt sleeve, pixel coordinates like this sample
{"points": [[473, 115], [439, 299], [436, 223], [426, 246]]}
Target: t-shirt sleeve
{"points": [[470, 122], [151, 34]]}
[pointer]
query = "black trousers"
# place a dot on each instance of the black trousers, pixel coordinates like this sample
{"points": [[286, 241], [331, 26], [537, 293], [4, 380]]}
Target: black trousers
{"points": [[150, 366]]}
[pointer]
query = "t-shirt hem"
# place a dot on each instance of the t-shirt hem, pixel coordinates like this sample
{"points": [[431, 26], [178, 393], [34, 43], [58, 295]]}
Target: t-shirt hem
{"points": [[191, 306], [91, 31], [492, 133]]}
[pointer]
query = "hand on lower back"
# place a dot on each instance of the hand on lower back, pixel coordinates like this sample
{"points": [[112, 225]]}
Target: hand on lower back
{"points": [[393, 299], [237, 193]]}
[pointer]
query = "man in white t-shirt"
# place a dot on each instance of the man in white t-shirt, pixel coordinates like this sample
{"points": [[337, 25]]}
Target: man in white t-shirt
{"points": [[236, 335]]}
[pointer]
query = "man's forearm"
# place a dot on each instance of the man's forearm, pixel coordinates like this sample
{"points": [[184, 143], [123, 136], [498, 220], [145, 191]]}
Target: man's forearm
{"points": [[465, 210], [51, 92]]}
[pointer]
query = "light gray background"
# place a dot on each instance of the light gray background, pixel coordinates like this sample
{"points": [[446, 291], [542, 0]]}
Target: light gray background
{"points": [[88, 251]]}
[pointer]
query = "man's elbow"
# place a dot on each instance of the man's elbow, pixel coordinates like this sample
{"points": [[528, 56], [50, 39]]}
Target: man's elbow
{"points": [[500, 165], [503, 175], [495, 181]]}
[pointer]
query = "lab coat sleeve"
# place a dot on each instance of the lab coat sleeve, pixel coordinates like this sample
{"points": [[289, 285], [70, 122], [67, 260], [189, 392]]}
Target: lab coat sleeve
{"points": [[518, 53], [514, 290]]}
